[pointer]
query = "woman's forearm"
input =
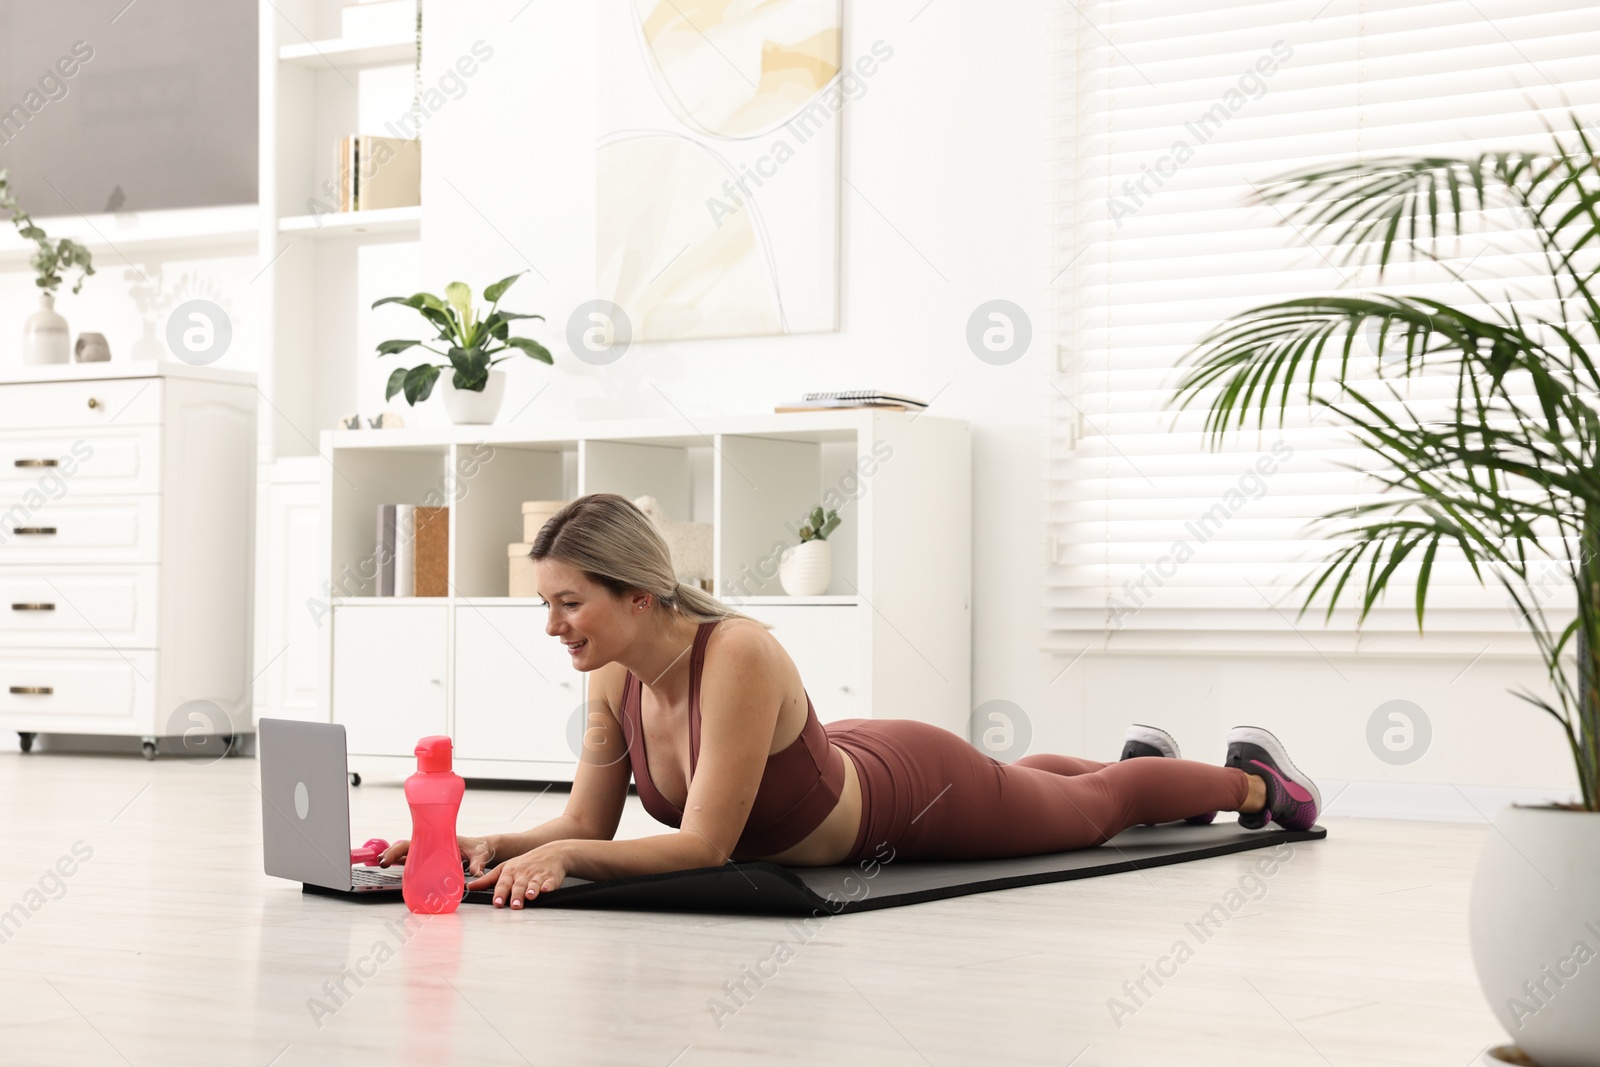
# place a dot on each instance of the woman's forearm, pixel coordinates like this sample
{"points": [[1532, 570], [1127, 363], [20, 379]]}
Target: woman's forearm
{"points": [[597, 860], [561, 828]]}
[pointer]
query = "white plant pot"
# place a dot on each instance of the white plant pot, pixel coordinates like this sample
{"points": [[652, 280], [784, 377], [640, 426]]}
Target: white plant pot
{"points": [[805, 569], [469, 408], [44, 334], [1535, 923]]}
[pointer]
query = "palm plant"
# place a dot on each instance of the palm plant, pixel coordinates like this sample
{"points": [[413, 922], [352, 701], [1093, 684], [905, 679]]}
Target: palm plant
{"points": [[1506, 478]]}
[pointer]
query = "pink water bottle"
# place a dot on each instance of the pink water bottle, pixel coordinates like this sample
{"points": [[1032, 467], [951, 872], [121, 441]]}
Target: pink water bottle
{"points": [[433, 883]]}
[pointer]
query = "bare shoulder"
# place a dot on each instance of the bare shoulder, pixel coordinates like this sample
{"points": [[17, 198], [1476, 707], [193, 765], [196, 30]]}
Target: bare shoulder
{"points": [[743, 637]]}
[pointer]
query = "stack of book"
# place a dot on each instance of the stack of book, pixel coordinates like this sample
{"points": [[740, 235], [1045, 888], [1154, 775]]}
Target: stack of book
{"points": [[378, 172], [853, 398], [413, 550]]}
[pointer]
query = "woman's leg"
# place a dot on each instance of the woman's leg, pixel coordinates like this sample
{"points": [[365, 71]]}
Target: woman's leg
{"points": [[972, 807], [1066, 766]]}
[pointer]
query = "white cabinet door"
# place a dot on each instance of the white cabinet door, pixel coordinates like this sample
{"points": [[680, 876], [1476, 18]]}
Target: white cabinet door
{"points": [[389, 675], [821, 639], [516, 689]]}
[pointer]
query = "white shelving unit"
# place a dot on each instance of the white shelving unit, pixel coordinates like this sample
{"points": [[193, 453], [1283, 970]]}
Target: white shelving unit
{"points": [[322, 268], [142, 232], [891, 638]]}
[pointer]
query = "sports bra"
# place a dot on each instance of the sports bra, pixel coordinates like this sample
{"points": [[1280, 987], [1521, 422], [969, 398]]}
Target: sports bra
{"points": [[799, 787]]}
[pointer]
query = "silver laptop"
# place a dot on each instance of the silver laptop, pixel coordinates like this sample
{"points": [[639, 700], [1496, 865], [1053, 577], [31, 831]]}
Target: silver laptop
{"points": [[305, 811]]}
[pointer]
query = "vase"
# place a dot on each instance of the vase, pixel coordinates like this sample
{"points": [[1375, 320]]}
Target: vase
{"points": [[44, 334], [469, 407], [804, 570], [1535, 931]]}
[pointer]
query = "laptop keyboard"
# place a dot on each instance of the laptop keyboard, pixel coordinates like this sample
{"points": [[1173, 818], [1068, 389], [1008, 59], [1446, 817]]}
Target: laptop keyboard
{"points": [[375, 876]]}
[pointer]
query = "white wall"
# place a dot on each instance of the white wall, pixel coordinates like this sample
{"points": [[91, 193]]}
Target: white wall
{"points": [[946, 205]]}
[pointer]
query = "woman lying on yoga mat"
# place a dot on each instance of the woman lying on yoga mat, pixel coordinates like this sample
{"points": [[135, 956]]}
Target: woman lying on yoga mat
{"points": [[707, 712]]}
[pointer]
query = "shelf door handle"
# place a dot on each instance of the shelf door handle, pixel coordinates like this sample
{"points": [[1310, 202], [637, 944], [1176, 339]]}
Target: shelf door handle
{"points": [[33, 607], [93, 403], [35, 531], [35, 463], [33, 690]]}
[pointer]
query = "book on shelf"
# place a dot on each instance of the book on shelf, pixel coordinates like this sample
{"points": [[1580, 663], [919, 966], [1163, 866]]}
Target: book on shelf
{"points": [[413, 550], [869, 396], [378, 172], [796, 405], [853, 398]]}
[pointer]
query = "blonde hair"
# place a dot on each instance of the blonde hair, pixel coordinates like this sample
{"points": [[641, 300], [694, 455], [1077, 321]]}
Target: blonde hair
{"points": [[615, 545]]}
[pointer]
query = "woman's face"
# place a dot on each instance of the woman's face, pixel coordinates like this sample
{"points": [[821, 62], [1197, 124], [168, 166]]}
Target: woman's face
{"points": [[591, 621]]}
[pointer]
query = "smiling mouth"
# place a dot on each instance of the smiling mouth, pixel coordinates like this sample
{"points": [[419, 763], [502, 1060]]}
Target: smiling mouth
{"points": [[574, 646]]}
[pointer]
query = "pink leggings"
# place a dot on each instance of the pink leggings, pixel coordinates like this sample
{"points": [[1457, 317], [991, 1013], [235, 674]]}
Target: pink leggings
{"points": [[930, 794]]}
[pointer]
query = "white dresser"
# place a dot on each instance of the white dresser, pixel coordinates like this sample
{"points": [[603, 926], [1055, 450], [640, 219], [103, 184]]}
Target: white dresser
{"points": [[127, 492]]}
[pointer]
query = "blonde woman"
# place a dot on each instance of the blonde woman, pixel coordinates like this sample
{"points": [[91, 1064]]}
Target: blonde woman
{"points": [[702, 707]]}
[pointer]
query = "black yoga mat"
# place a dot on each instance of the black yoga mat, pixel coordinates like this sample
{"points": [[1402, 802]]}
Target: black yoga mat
{"points": [[770, 889]]}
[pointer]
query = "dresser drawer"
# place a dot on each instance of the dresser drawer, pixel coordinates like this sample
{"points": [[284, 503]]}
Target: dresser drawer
{"points": [[87, 530], [76, 606], [76, 684], [71, 405], [37, 465]]}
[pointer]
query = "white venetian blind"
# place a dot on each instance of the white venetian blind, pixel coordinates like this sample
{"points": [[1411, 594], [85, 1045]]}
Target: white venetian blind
{"points": [[1171, 114]]}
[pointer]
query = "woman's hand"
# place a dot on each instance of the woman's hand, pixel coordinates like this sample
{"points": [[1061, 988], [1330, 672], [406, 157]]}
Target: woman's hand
{"points": [[477, 851], [526, 876]]}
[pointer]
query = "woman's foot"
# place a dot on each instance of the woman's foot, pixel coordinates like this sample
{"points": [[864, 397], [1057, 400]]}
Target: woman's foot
{"points": [[1142, 740], [1293, 800]]}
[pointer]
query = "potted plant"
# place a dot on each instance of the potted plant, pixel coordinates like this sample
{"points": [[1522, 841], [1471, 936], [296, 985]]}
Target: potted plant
{"points": [[474, 391], [805, 569], [44, 334], [1507, 479]]}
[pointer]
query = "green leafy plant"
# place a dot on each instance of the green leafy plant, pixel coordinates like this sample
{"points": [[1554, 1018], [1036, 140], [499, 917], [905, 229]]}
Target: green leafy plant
{"points": [[1507, 478], [469, 340], [53, 257], [818, 525]]}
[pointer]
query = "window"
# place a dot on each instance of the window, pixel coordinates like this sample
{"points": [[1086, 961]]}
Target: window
{"points": [[1172, 114]]}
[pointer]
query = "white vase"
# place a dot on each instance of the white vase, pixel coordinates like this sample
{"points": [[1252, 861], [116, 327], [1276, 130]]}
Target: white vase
{"points": [[1535, 928], [805, 569], [473, 408], [44, 334]]}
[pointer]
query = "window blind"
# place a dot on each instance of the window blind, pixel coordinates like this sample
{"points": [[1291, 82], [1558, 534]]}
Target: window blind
{"points": [[1171, 114]]}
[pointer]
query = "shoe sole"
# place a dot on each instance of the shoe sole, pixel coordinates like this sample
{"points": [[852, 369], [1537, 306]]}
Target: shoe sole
{"points": [[1155, 737], [1266, 740]]}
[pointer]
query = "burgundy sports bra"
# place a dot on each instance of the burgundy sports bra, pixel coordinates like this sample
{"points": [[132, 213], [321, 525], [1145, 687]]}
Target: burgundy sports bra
{"points": [[799, 787]]}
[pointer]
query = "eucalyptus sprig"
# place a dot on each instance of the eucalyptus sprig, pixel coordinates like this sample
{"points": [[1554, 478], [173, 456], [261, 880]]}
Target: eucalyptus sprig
{"points": [[53, 257], [469, 341]]}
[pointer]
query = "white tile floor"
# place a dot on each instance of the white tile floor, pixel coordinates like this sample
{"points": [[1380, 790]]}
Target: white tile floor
{"points": [[170, 946]]}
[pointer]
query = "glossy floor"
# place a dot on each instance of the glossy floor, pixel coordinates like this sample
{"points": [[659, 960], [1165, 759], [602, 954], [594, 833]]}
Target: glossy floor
{"points": [[168, 945]]}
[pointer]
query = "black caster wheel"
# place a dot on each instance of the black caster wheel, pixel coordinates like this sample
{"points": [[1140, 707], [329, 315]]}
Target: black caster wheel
{"points": [[355, 779], [148, 747], [25, 739], [227, 744]]}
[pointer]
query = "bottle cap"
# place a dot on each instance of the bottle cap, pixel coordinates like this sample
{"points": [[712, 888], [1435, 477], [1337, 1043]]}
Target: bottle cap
{"points": [[433, 753]]}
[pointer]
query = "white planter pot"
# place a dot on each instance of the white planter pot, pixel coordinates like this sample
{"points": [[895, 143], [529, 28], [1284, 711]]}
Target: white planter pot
{"points": [[1535, 923], [468, 408], [44, 334], [805, 569]]}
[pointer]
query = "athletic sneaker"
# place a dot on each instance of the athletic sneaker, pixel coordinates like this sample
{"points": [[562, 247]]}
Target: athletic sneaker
{"points": [[1292, 798], [1144, 740]]}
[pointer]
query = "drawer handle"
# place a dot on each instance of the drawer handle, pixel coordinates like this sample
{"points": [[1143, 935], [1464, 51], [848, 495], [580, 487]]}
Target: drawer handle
{"points": [[33, 607], [93, 403], [35, 463], [33, 690], [36, 531]]}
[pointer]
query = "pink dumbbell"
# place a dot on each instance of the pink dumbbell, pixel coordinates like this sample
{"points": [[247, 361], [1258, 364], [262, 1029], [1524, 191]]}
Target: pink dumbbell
{"points": [[368, 853]]}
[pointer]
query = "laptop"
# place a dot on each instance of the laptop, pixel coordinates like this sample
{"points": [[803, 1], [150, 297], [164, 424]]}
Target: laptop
{"points": [[305, 813]]}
